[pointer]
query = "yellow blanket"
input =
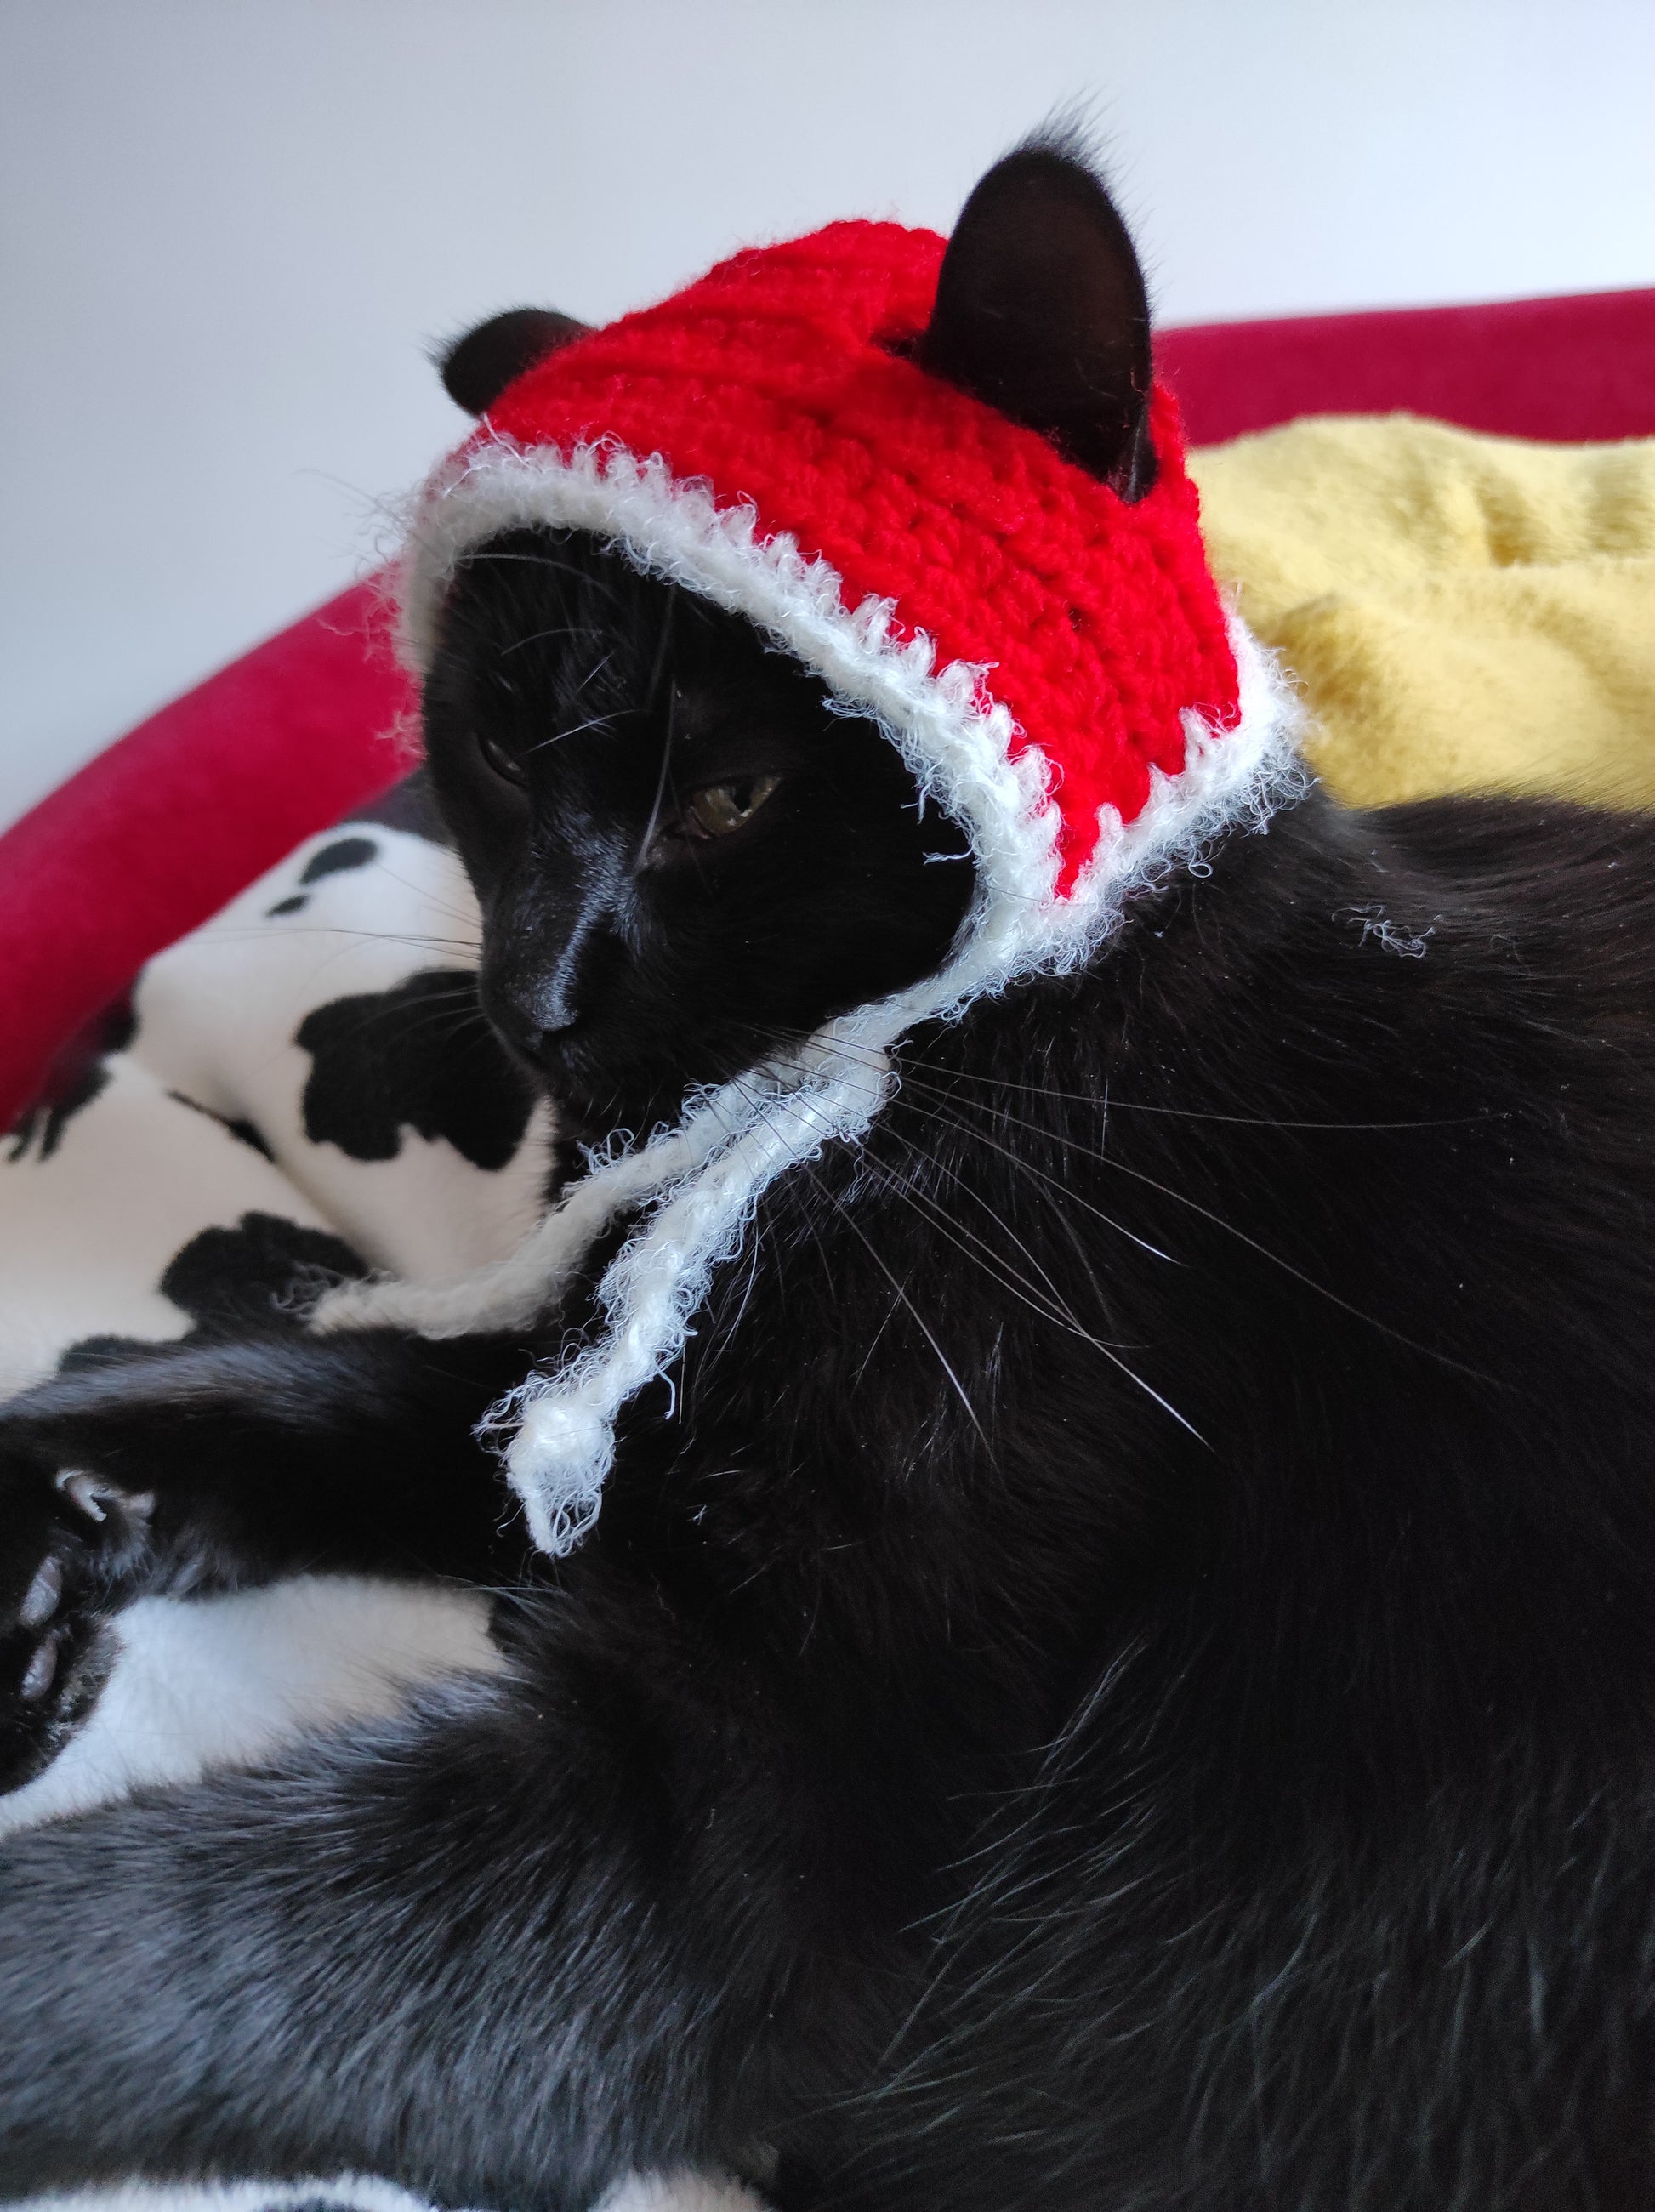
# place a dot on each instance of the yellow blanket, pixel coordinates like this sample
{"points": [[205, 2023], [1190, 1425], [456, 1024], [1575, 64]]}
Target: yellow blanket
{"points": [[1465, 613]]}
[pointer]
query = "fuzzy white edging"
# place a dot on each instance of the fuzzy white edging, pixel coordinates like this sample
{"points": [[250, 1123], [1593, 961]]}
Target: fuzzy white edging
{"points": [[701, 1182]]}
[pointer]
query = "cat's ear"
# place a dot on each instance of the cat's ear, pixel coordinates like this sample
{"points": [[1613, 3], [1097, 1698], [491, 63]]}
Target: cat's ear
{"points": [[1041, 310], [477, 369]]}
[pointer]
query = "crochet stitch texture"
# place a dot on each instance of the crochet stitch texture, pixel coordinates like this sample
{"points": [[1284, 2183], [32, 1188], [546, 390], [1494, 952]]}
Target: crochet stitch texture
{"points": [[776, 379]]}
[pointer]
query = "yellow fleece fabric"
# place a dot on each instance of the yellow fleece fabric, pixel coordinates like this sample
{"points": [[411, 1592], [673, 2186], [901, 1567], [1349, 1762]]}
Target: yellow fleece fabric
{"points": [[1464, 613]]}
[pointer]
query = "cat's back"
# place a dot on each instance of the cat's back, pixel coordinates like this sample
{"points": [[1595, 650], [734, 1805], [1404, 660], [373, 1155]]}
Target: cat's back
{"points": [[1571, 886], [1540, 947], [1355, 1812]]}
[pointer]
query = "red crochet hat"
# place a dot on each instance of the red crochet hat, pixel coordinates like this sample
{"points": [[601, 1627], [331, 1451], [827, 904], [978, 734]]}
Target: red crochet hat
{"points": [[1050, 658], [762, 437]]}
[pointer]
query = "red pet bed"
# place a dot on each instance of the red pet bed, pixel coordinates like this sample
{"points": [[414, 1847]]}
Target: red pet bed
{"points": [[159, 831]]}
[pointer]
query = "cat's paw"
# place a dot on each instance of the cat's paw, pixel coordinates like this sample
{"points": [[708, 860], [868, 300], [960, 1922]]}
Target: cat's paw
{"points": [[73, 1547]]}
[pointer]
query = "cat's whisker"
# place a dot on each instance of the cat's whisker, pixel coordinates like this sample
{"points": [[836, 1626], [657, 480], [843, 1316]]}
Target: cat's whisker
{"points": [[1060, 1309], [650, 827], [1047, 1183], [663, 644], [464, 985], [539, 636], [975, 1248], [1069, 1196], [873, 1342], [727, 1335], [427, 895], [1068, 1317], [597, 722], [457, 1025], [256, 932], [905, 1059], [920, 1322], [441, 949], [1180, 1198], [591, 677], [1064, 1319], [502, 557], [1104, 1104]]}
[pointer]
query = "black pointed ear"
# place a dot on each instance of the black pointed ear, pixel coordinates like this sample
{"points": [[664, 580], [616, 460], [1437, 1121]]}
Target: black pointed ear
{"points": [[1041, 310], [477, 369]]}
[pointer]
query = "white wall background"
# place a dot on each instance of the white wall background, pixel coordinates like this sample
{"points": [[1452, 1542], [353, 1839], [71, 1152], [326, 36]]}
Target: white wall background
{"points": [[229, 226]]}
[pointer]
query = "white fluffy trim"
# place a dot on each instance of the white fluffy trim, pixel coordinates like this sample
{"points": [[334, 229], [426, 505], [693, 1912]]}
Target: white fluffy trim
{"points": [[698, 1184]]}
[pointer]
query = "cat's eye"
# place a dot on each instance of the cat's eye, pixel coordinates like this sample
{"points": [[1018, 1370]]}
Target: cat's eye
{"points": [[718, 808], [504, 762]]}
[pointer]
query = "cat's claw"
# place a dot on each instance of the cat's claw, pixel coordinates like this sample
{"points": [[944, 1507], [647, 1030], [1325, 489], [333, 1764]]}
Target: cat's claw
{"points": [[41, 1598], [73, 1546], [93, 1496], [41, 1671]]}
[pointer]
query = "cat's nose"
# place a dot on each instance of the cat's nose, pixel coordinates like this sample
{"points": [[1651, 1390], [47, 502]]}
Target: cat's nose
{"points": [[540, 990], [534, 1024], [554, 1007]]}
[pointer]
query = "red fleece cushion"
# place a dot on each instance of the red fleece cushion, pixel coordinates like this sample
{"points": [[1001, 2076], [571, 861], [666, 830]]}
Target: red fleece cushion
{"points": [[159, 831], [1572, 369], [155, 835]]}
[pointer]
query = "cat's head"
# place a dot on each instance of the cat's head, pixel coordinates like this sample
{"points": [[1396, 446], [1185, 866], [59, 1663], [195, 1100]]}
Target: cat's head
{"points": [[690, 846], [684, 857]]}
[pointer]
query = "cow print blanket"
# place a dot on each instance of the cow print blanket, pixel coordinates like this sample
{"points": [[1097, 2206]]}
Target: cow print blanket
{"points": [[304, 1089]]}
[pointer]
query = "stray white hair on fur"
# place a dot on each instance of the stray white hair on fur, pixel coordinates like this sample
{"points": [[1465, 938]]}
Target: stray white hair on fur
{"points": [[700, 1182]]}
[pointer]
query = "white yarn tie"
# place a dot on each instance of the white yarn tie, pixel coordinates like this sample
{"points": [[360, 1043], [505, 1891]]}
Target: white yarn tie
{"points": [[513, 1292], [565, 1445], [700, 1183]]}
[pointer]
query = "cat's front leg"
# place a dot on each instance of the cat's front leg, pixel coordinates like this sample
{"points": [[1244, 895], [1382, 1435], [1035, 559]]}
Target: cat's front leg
{"points": [[543, 1931], [203, 1468], [76, 1548]]}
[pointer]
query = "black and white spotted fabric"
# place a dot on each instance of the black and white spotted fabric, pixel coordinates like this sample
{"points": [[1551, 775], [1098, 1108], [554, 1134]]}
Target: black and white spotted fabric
{"points": [[304, 1088]]}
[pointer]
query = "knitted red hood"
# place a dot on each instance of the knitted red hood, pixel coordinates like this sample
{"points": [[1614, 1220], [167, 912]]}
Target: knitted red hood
{"points": [[779, 384], [1051, 661]]}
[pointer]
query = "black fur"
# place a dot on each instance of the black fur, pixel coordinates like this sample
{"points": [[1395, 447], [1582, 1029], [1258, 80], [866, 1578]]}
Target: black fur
{"points": [[408, 805], [1121, 1673], [477, 367], [622, 956], [1041, 310]]}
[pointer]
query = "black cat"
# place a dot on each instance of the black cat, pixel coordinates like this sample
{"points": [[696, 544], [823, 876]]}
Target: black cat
{"points": [[1118, 1670]]}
